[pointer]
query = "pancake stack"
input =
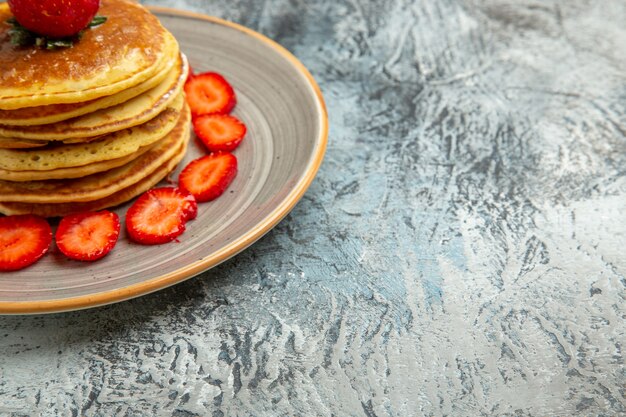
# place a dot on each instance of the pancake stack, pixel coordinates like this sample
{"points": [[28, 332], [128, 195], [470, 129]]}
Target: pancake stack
{"points": [[93, 125]]}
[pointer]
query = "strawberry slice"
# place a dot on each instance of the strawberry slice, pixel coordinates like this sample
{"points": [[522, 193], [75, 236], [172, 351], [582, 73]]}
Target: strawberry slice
{"points": [[219, 132], [209, 93], [208, 177], [88, 236], [24, 239], [159, 215]]}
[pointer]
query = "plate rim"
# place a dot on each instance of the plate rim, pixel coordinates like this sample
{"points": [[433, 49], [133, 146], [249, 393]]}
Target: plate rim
{"points": [[234, 247]]}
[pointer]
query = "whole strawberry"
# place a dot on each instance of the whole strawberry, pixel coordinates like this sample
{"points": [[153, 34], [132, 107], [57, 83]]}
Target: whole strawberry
{"points": [[54, 18]]}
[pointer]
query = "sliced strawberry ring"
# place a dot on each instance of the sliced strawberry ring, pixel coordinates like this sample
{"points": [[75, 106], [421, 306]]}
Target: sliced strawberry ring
{"points": [[159, 215], [209, 176], [219, 132], [209, 93], [24, 239], [88, 236]]}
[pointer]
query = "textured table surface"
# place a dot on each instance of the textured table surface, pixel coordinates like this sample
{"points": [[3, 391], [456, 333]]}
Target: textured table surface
{"points": [[462, 251]]}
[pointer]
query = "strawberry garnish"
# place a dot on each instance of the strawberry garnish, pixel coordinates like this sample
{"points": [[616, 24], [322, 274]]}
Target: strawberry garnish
{"points": [[209, 93], [54, 18], [24, 239], [159, 215], [88, 236], [219, 132], [208, 177]]}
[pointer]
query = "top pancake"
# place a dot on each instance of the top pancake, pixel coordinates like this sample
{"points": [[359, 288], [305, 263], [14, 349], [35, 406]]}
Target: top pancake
{"points": [[52, 113], [124, 51]]}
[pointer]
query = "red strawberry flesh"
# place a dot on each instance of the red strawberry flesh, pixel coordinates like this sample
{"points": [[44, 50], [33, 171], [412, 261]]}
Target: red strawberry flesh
{"points": [[219, 132], [209, 176], [159, 215], [54, 18], [24, 239], [209, 93], [88, 236]]}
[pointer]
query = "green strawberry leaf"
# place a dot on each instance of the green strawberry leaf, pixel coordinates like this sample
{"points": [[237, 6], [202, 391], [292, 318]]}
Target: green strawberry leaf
{"points": [[97, 21], [20, 36]]}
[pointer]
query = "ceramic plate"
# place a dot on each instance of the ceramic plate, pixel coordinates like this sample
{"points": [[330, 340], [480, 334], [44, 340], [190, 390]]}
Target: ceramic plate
{"points": [[287, 130]]}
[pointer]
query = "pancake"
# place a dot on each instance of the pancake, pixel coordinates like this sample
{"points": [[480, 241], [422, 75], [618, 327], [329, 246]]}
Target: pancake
{"points": [[101, 185], [130, 113], [71, 172], [14, 143], [115, 199], [52, 113], [124, 51], [115, 145]]}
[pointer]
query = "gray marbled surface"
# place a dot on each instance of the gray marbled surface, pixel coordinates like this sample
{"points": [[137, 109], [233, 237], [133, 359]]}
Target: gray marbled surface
{"points": [[461, 252]]}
